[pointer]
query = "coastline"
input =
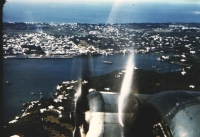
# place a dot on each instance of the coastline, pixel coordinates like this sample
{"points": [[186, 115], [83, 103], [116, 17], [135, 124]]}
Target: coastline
{"points": [[53, 108], [37, 57]]}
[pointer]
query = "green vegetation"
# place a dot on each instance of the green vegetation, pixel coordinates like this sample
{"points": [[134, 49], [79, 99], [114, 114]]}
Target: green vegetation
{"points": [[151, 82], [38, 125]]}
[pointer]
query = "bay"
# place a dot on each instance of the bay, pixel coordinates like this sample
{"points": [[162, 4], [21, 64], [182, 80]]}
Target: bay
{"points": [[43, 75]]}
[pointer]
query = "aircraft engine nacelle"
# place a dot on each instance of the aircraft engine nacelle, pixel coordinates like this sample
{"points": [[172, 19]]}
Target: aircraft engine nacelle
{"points": [[169, 114], [103, 117], [165, 114]]}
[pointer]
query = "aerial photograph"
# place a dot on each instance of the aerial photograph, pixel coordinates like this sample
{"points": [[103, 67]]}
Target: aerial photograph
{"points": [[100, 68]]}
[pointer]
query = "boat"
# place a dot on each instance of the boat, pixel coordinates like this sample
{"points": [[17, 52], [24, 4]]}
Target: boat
{"points": [[40, 93], [32, 93], [7, 82], [107, 62], [197, 12]]}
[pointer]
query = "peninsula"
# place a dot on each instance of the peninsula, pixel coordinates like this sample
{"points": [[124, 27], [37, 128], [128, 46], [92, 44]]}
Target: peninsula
{"points": [[44, 117]]}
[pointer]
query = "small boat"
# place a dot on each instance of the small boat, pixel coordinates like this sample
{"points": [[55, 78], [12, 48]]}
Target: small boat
{"points": [[107, 62], [40, 93], [32, 93], [158, 58], [7, 82]]}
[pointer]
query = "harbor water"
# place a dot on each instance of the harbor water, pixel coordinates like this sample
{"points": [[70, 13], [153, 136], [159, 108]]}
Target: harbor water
{"points": [[43, 75]]}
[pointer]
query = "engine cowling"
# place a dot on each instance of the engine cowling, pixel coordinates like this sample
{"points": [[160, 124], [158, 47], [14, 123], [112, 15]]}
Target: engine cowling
{"points": [[169, 114]]}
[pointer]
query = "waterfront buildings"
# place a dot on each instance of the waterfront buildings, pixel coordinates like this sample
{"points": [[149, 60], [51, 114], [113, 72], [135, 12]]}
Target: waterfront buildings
{"points": [[73, 39]]}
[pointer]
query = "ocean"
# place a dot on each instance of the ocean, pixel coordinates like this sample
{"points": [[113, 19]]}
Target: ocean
{"points": [[100, 12], [43, 75]]}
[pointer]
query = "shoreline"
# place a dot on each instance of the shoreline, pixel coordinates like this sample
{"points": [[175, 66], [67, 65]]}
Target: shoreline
{"points": [[74, 56], [37, 57], [41, 108]]}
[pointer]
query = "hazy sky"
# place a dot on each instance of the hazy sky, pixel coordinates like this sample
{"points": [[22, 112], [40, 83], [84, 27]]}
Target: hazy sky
{"points": [[106, 1]]}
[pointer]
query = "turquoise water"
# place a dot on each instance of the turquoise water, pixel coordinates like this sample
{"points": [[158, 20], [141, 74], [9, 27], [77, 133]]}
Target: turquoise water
{"points": [[43, 75]]}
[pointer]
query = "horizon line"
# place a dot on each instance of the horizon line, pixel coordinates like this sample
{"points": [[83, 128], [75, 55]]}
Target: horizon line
{"points": [[96, 23]]}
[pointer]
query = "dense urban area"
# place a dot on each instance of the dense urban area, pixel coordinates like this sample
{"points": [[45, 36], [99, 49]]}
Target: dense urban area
{"points": [[51, 40]]}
